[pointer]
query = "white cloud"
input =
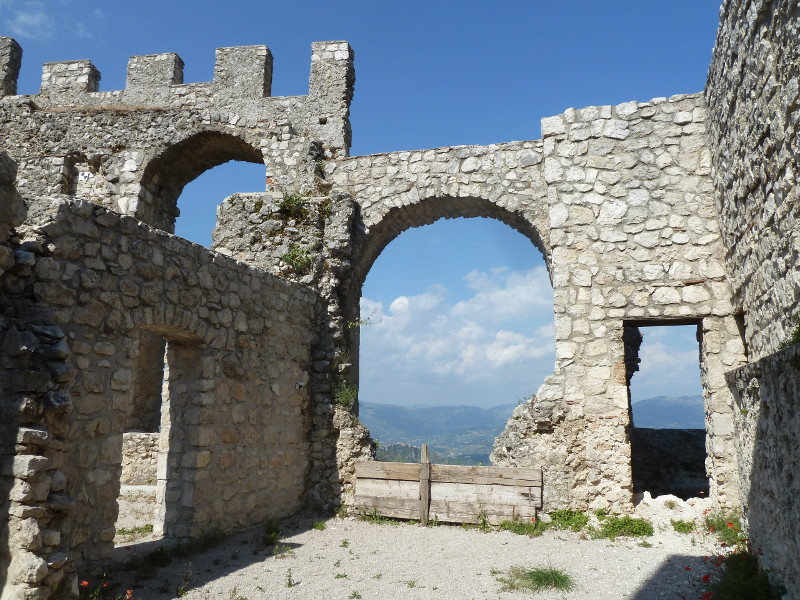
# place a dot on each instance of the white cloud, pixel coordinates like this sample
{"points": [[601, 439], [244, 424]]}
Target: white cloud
{"points": [[27, 19], [499, 338]]}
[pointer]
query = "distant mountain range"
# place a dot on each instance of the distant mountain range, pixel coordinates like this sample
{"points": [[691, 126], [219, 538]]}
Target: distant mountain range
{"points": [[668, 412], [466, 434]]}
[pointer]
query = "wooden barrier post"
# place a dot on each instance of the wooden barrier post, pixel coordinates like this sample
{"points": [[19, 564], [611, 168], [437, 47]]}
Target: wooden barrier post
{"points": [[424, 485]]}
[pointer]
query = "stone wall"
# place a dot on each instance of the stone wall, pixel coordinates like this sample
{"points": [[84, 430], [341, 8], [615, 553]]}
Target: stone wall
{"points": [[239, 352], [753, 93], [768, 435], [140, 458], [620, 202]]}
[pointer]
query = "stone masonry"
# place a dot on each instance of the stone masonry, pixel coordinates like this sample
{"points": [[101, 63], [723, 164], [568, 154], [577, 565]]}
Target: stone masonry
{"points": [[679, 210]]}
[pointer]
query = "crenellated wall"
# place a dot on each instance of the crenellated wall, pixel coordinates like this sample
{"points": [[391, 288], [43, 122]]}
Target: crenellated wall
{"points": [[679, 210]]}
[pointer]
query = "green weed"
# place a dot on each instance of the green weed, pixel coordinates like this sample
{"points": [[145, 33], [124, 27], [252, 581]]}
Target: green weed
{"points": [[345, 394], [318, 525], [538, 579], [741, 579], [728, 529], [271, 535], [293, 206], [290, 582], [298, 259], [566, 518], [794, 336], [140, 530], [531, 529], [624, 526], [682, 526]]}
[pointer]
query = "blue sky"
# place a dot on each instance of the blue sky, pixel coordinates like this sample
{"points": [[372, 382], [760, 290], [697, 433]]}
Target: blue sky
{"points": [[473, 326]]}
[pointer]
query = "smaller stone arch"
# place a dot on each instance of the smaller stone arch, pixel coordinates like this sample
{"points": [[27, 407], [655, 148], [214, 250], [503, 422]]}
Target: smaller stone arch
{"points": [[167, 174]]}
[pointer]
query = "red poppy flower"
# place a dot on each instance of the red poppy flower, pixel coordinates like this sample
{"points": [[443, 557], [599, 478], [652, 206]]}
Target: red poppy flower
{"points": [[128, 594], [707, 596], [730, 524], [705, 578], [687, 568], [84, 583]]}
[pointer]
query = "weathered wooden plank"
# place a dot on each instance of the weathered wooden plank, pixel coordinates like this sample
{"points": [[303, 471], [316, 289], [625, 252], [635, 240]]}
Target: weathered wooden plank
{"points": [[387, 470], [397, 508], [487, 494], [388, 488], [452, 512], [424, 485], [486, 475]]}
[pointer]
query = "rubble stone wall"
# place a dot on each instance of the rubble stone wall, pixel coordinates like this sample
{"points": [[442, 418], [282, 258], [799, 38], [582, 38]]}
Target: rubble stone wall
{"points": [[239, 345], [140, 458], [753, 94], [620, 202], [767, 394]]}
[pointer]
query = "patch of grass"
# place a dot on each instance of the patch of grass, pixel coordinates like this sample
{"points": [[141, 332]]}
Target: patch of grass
{"points": [[293, 206], [282, 551], [601, 514], [340, 576], [682, 526], [344, 544], [670, 504], [727, 527], [538, 579], [298, 259], [741, 579], [271, 535], [411, 583], [645, 544], [184, 585], [355, 596], [318, 525], [624, 526], [531, 529], [566, 518], [146, 566], [140, 530], [375, 518], [345, 394]]}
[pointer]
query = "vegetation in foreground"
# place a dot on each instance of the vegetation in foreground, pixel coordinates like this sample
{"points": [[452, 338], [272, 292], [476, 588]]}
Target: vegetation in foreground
{"points": [[537, 579]]}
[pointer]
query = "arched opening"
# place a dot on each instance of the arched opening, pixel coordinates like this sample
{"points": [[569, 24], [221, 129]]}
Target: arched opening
{"points": [[166, 175], [456, 328]]}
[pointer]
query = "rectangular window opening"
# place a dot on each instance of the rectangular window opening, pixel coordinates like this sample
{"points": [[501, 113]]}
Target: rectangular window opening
{"points": [[667, 433]]}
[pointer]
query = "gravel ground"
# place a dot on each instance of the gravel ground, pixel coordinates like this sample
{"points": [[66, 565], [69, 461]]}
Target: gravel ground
{"points": [[352, 559]]}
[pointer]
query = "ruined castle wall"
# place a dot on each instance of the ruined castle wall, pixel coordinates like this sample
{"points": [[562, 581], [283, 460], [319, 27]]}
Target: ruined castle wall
{"points": [[753, 94], [767, 412], [238, 358], [620, 202], [133, 150]]}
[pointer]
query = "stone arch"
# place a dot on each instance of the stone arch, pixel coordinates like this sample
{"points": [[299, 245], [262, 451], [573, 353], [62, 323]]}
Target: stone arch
{"points": [[370, 240], [165, 176]]}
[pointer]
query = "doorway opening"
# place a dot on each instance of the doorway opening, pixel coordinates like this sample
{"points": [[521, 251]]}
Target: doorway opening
{"points": [[667, 432], [145, 444]]}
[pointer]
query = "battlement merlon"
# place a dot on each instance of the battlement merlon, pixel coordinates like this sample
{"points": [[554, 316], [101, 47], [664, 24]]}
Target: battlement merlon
{"points": [[10, 61], [330, 90]]}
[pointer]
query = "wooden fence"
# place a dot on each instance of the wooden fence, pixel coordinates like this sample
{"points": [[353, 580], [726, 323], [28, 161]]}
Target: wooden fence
{"points": [[448, 493]]}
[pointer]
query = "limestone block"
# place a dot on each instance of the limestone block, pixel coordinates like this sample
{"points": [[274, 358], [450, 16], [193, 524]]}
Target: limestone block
{"points": [[26, 567]]}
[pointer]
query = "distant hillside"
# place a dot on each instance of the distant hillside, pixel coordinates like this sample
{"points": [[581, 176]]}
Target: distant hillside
{"points": [[466, 434], [454, 434], [665, 412]]}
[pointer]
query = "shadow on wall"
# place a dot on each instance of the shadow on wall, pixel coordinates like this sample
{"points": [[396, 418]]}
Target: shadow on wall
{"points": [[767, 411]]}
